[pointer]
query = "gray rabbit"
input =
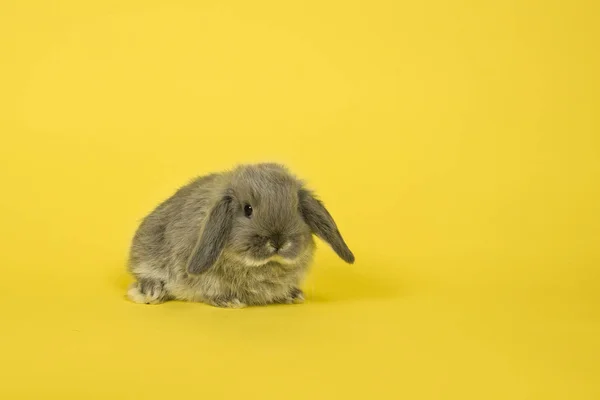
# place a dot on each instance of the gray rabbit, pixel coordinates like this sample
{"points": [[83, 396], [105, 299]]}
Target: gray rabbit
{"points": [[232, 239]]}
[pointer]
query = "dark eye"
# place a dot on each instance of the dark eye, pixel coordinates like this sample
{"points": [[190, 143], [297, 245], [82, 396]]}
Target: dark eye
{"points": [[248, 210]]}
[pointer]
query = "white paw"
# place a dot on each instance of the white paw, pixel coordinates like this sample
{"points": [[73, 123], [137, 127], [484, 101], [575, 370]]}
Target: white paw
{"points": [[232, 303], [235, 303], [135, 294]]}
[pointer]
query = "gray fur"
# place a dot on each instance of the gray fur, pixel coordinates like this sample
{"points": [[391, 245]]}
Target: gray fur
{"points": [[198, 245], [212, 242], [323, 225]]}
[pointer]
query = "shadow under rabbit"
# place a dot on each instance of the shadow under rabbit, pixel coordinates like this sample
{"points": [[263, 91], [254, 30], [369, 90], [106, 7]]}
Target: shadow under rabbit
{"points": [[340, 284]]}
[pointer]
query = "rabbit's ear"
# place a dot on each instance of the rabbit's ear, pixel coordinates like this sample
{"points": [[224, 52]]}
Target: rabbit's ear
{"points": [[213, 237], [322, 224]]}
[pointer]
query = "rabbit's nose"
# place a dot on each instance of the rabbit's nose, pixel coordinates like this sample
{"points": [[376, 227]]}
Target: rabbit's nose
{"points": [[277, 241]]}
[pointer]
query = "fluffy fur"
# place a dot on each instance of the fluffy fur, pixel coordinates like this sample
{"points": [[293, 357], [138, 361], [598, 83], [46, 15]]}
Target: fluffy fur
{"points": [[201, 244]]}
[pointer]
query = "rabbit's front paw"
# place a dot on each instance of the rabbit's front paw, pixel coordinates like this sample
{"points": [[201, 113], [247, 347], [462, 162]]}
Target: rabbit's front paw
{"points": [[227, 303], [295, 296], [146, 291]]}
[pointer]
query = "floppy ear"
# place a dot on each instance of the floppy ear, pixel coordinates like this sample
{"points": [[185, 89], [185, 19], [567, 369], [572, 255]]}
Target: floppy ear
{"points": [[213, 237], [322, 224]]}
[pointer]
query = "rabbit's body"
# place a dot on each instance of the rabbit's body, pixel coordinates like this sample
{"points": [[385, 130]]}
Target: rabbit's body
{"points": [[227, 283], [201, 244]]}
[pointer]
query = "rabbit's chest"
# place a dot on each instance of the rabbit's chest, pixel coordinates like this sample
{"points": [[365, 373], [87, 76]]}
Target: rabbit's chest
{"points": [[255, 285], [258, 285], [268, 281]]}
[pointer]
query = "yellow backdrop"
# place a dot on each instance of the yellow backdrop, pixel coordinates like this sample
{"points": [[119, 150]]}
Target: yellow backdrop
{"points": [[456, 143]]}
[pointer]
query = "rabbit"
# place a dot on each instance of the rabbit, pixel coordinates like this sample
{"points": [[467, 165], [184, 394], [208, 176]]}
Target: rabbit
{"points": [[238, 238]]}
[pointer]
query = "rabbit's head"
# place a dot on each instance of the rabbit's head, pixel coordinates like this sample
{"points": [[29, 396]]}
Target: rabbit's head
{"points": [[264, 214]]}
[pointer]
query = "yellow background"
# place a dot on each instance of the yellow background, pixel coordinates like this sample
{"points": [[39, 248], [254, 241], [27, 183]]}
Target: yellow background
{"points": [[456, 143]]}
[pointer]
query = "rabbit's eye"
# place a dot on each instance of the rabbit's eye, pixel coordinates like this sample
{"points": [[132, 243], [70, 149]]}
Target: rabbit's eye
{"points": [[248, 210]]}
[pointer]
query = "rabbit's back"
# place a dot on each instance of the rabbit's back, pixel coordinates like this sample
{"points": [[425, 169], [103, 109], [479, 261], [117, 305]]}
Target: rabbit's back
{"points": [[166, 237]]}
